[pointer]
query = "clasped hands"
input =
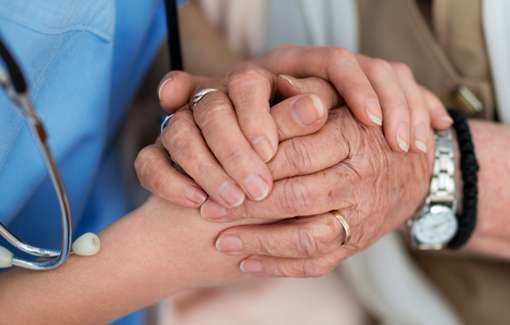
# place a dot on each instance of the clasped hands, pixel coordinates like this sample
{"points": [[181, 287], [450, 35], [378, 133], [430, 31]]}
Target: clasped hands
{"points": [[288, 138]]}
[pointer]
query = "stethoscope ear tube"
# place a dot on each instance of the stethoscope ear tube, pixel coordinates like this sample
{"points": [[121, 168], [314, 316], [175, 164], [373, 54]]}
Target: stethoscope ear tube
{"points": [[16, 87], [174, 38], [18, 81]]}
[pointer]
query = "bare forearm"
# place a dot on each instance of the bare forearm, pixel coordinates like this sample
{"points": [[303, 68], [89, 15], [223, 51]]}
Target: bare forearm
{"points": [[144, 258], [86, 290], [492, 234]]}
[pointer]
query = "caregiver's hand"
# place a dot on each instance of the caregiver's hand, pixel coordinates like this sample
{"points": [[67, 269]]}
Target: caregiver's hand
{"points": [[210, 140], [348, 167]]}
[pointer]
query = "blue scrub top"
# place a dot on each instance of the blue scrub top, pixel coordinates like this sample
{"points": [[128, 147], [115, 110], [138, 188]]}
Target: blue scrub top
{"points": [[84, 60]]}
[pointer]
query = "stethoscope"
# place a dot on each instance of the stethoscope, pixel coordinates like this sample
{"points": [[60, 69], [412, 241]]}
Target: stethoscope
{"points": [[15, 86]]}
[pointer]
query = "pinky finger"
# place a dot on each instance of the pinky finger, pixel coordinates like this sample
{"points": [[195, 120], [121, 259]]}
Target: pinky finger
{"points": [[157, 176], [438, 115]]}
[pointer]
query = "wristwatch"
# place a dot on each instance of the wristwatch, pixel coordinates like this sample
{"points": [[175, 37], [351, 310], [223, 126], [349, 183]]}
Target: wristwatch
{"points": [[436, 223]]}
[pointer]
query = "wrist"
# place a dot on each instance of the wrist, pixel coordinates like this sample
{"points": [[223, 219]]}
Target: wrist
{"points": [[422, 167], [180, 247]]}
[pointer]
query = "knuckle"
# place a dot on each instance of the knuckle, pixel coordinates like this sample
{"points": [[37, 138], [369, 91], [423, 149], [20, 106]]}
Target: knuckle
{"points": [[268, 247], [307, 244], [378, 67], [402, 69], [319, 267], [176, 136], [341, 55], [398, 102], [141, 158], [145, 166], [316, 238], [252, 129], [295, 198], [245, 78], [297, 155], [281, 51], [330, 229], [212, 110], [233, 158], [156, 185], [334, 56], [292, 270], [143, 162], [349, 135]]}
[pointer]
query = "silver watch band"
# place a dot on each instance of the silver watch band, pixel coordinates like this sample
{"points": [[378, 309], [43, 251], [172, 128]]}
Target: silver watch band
{"points": [[442, 185]]}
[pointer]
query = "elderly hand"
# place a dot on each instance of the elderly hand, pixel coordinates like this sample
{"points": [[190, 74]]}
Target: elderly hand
{"points": [[376, 91], [345, 166], [208, 142], [223, 143]]}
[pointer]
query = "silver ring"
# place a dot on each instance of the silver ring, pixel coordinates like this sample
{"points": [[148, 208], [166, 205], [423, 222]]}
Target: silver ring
{"points": [[165, 122], [200, 95]]}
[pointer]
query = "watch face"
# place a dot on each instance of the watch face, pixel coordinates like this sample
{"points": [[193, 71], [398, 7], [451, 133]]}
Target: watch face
{"points": [[436, 227]]}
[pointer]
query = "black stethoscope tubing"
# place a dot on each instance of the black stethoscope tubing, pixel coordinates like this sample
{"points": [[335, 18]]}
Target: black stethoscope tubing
{"points": [[174, 38]]}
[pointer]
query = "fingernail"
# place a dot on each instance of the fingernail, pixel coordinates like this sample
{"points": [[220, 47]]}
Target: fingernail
{"points": [[231, 194], [401, 134], [162, 86], [263, 148], [420, 135], [421, 146], [251, 266], [447, 119], [229, 244], [256, 187], [212, 210], [307, 114], [374, 111], [195, 195], [289, 79]]}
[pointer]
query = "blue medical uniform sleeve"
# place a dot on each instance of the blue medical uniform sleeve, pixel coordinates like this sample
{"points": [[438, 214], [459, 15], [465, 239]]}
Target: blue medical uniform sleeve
{"points": [[84, 61]]}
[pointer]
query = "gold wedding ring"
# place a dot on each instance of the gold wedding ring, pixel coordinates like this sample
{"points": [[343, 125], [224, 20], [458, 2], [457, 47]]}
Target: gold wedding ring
{"points": [[344, 224]]}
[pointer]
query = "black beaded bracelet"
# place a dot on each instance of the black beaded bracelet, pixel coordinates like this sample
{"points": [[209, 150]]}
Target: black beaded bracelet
{"points": [[469, 168]]}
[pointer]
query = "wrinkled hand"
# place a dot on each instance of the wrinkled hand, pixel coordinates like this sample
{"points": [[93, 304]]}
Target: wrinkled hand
{"points": [[347, 167], [377, 92]]}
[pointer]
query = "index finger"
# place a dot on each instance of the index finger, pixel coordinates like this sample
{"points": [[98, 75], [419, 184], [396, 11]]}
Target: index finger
{"points": [[297, 196], [250, 89]]}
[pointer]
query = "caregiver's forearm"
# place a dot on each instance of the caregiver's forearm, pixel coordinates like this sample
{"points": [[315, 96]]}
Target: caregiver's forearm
{"points": [[492, 144], [145, 257]]}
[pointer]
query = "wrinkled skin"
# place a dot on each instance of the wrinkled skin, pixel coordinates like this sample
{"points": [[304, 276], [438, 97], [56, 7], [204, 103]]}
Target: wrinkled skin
{"points": [[334, 162], [348, 167]]}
